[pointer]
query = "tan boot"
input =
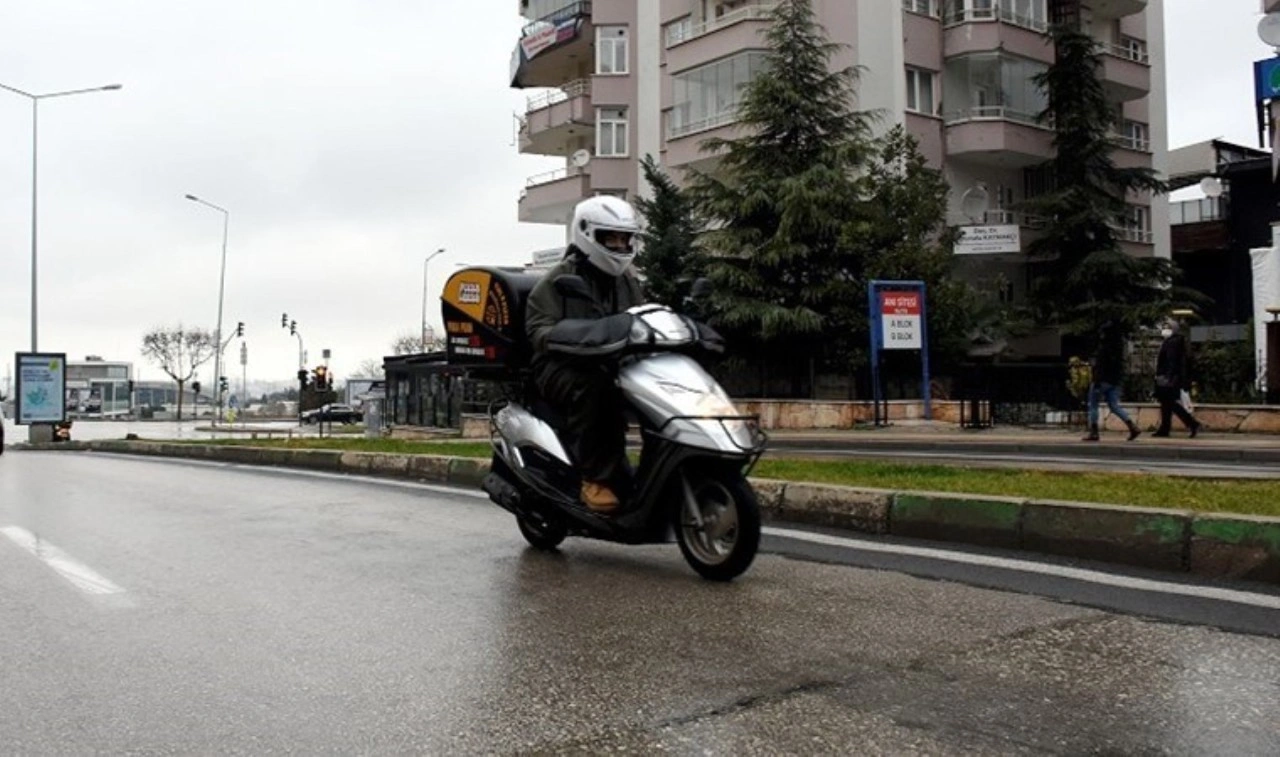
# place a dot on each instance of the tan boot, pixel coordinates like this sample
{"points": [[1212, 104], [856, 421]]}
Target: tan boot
{"points": [[598, 497]]}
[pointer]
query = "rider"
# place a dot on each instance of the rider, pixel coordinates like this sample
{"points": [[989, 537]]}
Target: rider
{"points": [[581, 389]]}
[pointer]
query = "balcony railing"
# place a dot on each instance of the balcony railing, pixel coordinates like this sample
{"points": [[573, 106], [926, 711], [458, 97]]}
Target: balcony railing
{"points": [[1133, 234], [1131, 142], [576, 88], [1127, 49], [549, 177], [674, 131], [998, 11], [1197, 211], [991, 113], [570, 10], [1013, 218], [758, 12]]}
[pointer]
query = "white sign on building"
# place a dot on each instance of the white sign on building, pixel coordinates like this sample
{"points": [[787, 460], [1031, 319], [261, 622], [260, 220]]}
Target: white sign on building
{"points": [[544, 259], [989, 240]]}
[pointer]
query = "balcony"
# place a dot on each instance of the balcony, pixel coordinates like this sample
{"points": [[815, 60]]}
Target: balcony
{"points": [[555, 49], [1126, 70], [1116, 8], [549, 197], [1203, 210], [690, 45], [1005, 12], [996, 136], [1014, 218], [555, 121]]}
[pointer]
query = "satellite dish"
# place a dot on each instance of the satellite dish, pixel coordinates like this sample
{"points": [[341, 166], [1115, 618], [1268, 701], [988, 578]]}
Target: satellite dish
{"points": [[580, 158], [975, 201], [1269, 29], [1211, 186]]}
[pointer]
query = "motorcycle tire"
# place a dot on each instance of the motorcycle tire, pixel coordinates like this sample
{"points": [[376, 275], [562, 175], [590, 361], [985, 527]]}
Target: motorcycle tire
{"points": [[541, 534], [722, 547]]}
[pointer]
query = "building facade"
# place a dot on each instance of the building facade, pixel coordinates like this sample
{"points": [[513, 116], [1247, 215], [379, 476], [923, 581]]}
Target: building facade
{"points": [[98, 388], [611, 81]]}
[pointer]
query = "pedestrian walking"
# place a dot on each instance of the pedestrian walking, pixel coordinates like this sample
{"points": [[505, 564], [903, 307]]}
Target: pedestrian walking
{"points": [[1108, 375], [1172, 379]]}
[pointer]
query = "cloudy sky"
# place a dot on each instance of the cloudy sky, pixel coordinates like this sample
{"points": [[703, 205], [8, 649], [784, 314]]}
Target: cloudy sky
{"points": [[348, 138]]}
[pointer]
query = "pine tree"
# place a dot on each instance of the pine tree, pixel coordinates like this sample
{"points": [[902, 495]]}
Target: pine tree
{"points": [[1082, 278], [782, 196], [668, 258], [904, 237]]}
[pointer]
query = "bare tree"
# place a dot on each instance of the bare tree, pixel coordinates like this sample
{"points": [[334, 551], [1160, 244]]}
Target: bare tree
{"points": [[179, 352], [412, 343], [370, 368]]}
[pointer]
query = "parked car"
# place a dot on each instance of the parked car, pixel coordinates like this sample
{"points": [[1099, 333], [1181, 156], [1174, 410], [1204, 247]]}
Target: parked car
{"points": [[333, 413]]}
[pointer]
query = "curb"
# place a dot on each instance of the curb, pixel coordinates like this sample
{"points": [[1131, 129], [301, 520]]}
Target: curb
{"points": [[1208, 545]]}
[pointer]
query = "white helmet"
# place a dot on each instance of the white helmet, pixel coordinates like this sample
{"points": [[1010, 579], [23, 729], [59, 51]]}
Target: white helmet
{"points": [[595, 216]]}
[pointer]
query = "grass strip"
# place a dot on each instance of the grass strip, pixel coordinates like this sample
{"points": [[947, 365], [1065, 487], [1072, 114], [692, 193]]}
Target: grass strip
{"points": [[1250, 497]]}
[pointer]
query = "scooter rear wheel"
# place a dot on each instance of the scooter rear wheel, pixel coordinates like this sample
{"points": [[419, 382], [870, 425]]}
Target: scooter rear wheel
{"points": [[540, 533], [717, 524]]}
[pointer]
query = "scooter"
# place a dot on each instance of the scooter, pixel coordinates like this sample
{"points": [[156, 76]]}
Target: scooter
{"points": [[696, 449]]}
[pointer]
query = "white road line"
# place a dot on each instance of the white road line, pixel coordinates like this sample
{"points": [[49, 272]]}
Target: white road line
{"points": [[80, 576], [1266, 601]]}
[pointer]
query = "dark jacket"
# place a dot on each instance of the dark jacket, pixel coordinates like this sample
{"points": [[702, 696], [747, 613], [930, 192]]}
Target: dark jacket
{"points": [[1108, 361], [1172, 361], [547, 307]]}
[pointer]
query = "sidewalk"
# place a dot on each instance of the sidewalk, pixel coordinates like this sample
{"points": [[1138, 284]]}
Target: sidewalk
{"points": [[940, 437]]}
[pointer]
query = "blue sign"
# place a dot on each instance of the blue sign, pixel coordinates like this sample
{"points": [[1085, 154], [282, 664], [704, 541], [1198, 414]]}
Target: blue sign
{"points": [[1266, 79]]}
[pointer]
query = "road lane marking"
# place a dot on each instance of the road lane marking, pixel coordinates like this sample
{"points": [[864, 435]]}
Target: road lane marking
{"points": [[1266, 601], [81, 576]]}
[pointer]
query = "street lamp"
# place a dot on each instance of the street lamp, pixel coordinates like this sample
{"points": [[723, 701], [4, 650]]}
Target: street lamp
{"points": [[424, 296], [35, 121], [222, 277]]}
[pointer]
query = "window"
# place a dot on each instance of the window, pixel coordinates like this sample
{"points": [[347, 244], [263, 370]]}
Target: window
{"points": [[707, 97], [611, 50], [992, 85], [678, 31], [1135, 135], [959, 11], [1134, 225], [923, 7], [611, 132], [920, 91], [1032, 14]]}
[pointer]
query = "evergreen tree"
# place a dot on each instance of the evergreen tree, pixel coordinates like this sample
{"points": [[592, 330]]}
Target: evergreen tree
{"points": [[668, 257], [904, 236], [1080, 277], [782, 196]]}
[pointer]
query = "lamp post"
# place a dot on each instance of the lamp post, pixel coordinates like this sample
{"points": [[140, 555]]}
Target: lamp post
{"points": [[35, 121], [424, 296], [222, 277]]}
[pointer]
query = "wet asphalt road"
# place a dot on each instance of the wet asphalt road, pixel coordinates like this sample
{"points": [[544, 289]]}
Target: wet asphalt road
{"points": [[168, 607]]}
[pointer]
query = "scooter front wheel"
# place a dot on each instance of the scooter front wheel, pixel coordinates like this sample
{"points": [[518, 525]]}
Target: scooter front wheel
{"points": [[540, 533], [717, 524]]}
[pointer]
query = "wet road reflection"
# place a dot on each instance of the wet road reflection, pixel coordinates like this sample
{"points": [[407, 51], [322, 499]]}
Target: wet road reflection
{"points": [[274, 612]]}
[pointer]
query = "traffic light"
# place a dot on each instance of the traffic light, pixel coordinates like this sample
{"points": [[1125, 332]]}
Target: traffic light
{"points": [[222, 383], [302, 376], [284, 320], [322, 377], [195, 387], [293, 327], [240, 328]]}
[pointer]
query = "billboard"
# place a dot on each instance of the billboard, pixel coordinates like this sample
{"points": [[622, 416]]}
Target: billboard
{"points": [[42, 386]]}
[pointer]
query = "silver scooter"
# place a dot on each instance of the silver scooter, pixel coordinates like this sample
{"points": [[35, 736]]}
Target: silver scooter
{"points": [[696, 450]]}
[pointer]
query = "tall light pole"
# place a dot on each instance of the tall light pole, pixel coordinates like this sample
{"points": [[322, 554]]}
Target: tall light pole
{"points": [[35, 122], [222, 278], [424, 296]]}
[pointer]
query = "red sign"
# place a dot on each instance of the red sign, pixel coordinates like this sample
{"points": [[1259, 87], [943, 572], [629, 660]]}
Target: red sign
{"points": [[900, 303], [900, 320]]}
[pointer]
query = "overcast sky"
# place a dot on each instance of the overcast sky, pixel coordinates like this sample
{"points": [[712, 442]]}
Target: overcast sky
{"points": [[347, 138]]}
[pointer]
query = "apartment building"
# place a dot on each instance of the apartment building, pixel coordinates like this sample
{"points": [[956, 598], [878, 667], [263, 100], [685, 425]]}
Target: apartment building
{"points": [[610, 81]]}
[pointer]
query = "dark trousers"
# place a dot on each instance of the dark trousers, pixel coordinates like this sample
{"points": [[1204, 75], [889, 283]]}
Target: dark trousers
{"points": [[1170, 406], [586, 395]]}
